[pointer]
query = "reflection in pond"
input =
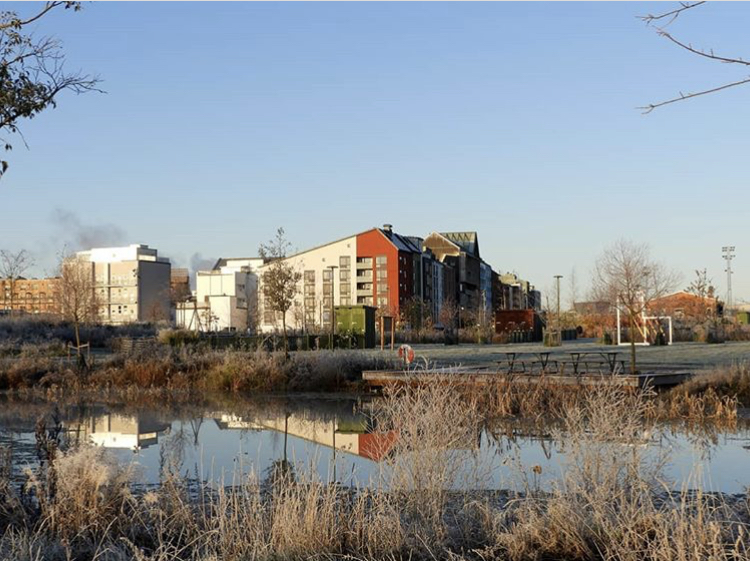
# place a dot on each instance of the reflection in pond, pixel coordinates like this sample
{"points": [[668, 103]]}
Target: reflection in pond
{"points": [[335, 438]]}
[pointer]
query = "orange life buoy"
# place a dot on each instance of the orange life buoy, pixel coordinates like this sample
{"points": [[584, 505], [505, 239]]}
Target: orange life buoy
{"points": [[406, 353]]}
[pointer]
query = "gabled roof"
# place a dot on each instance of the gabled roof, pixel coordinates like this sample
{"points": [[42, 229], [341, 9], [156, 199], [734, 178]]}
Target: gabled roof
{"points": [[467, 241], [402, 243]]}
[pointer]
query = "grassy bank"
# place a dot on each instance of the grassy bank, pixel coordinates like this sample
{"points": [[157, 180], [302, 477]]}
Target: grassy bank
{"points": [[610, 501], [159, 366]]}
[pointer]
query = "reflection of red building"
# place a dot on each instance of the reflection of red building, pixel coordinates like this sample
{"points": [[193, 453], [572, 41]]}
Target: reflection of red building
{"points": [[375, 446], [385, 269]]}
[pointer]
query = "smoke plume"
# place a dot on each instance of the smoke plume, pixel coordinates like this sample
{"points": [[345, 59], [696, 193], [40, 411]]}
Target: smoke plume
{"points": [[77, 236]]}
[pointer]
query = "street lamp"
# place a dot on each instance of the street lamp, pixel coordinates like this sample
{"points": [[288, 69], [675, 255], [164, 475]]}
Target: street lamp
{"points": [[333, 293], [559, 330]]}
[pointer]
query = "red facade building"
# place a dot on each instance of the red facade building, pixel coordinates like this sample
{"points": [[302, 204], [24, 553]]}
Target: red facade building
{"points": [[385, 269]]}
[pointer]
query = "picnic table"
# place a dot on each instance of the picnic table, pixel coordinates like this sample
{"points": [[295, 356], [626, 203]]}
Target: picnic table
{"points": [[609, 357], [542, 357]]}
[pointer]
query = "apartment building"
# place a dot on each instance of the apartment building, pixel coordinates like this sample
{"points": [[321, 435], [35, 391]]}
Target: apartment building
{"points": [[132, 283], [372, 268], [29, 296], [225, 297], [460, 252]]}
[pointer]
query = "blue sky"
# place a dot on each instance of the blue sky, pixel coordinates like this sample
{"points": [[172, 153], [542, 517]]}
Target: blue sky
{"points": [[223, 121]]}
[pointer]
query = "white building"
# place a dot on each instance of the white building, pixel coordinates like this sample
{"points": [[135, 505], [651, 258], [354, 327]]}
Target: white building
{"points": [[225, 297], [327, 271], [132, 283]]}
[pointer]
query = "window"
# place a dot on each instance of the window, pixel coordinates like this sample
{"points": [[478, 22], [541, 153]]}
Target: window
{"points": [[310, 276], [382, 274], [327, 275], [344, 275], [309, 290], [345, 261], [381, 260]]}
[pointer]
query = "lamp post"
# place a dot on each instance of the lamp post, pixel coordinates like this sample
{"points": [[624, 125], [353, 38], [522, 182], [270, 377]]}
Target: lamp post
{"points": [[333, 293], [559, 331]]}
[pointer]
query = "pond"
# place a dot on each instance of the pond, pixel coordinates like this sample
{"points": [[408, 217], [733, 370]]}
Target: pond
{"points": [[334, 438]]}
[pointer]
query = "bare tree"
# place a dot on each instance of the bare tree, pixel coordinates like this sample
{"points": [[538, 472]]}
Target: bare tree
{"points": [[448, 317], [626, 276], [12, 267], [661, 22], [76, 293], [573, 288], [280, 280], [32, 72], [702, 287], [253, 315]]}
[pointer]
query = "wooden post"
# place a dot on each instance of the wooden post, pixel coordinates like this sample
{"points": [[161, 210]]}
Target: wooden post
{"points": [[382, 333], [393, 333]]}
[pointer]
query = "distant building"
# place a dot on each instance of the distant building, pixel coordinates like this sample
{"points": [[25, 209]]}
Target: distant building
{"points": [[595, 307], [30, 296], [132, 283], [179, 284], [684, 306], [460, 251], [225, 297]]}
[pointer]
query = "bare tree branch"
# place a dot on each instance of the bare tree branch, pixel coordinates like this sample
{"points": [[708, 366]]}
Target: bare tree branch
{"points": [[709, 54], [673, 15], [648, 108]]}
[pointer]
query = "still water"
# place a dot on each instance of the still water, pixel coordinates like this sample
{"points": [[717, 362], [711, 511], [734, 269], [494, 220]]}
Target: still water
{"points": [[334, 439]]}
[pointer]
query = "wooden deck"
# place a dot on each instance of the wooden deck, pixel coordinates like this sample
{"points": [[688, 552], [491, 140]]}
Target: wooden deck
{"points": [[658, 378]]}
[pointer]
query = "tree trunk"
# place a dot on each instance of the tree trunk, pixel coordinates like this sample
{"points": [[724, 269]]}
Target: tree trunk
{"points": [[283, 330], [632, 345], [78, 337]]}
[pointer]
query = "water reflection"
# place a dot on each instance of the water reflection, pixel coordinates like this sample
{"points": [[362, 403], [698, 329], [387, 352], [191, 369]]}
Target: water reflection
{"points": [[336, 438], [110, 430]]}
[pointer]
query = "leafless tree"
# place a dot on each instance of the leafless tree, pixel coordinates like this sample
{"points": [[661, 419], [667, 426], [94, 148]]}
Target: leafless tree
{"points": [[448, 317], [12, 267], [702, 287], [253, 315], [280, 280], [78, 301], [660, 23], [32, 73], [572, 288], [626, 276]]}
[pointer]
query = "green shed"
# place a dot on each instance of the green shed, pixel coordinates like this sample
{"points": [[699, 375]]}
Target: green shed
{"points": [[357, 322], [743, 318]]}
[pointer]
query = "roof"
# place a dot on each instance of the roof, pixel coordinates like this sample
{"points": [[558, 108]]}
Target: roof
{"points": [[402, 243], [222, 261], [467, 241]]}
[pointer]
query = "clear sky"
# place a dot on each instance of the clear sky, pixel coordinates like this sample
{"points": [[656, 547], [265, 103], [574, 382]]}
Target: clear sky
{"points": [[223, 121]]}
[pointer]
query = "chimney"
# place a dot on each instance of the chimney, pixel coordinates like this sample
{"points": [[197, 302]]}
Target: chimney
{"points": [[388, 228]]}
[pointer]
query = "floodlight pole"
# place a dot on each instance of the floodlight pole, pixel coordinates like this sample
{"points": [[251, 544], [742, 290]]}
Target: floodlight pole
{"points": [[559, 330], [728, 254]]}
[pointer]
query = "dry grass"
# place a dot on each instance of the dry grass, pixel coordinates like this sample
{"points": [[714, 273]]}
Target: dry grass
{"points": [[610, 501], [731, 382], [158, 366]]}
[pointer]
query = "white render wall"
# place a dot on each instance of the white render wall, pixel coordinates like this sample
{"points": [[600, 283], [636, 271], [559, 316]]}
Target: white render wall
{"points": [[226, 293], [134, 252], [317, 260], [132, 283]]}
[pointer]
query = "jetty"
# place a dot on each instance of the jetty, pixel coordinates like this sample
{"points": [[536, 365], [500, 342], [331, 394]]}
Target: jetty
{"points": [[482, 375]]}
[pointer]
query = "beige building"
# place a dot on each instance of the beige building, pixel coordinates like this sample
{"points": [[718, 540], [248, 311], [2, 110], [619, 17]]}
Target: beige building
{"points": [[225, 297], [132, 283]]}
